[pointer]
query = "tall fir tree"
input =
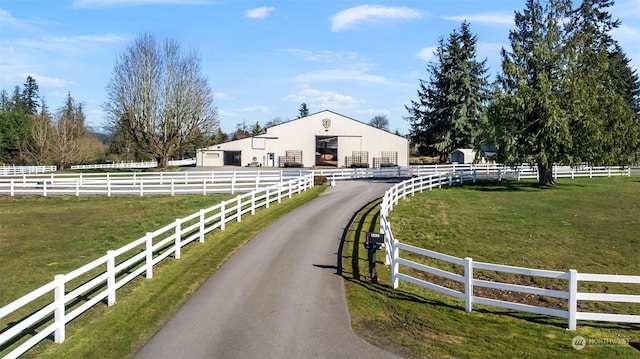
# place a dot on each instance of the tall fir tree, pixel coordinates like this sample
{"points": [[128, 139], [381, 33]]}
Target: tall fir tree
{"points": [[526, 119], [30, 95], [303, 111], [15, 122], [451, 103]]}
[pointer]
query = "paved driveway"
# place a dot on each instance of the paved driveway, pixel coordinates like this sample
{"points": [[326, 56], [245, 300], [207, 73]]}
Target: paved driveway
{"points": [[279, 296]]}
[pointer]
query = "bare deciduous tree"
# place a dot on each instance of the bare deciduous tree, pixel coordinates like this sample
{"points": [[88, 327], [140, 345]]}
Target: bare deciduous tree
{"points": [[37, 148], [380, 122], [158, 98]]}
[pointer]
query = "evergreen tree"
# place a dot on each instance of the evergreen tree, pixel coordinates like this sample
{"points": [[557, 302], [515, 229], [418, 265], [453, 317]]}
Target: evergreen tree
{"points": [[219, 137], [601, 112], [527, 121], [30, 95], [303, 111], [451, 103], [14, 125], [625, 78], [256, 129]]}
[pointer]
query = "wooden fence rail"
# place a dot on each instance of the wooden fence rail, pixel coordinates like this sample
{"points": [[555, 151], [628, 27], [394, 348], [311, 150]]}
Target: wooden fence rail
{"points": [[394, 250], [79, 290]]}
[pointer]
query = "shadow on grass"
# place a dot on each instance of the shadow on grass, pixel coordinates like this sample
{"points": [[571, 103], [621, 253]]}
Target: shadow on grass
{"points": [[363, 220], [363, 211]]}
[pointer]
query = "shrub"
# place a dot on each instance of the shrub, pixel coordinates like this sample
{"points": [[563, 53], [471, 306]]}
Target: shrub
{"points": [[359, 165], [319, 180], [293, 165]]}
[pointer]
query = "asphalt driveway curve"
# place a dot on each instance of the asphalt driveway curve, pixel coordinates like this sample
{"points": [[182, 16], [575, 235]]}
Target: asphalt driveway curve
{"points": [[278, 296]]}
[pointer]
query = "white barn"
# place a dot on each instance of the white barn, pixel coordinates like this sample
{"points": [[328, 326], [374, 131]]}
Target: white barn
{"points": [[321, 139]]}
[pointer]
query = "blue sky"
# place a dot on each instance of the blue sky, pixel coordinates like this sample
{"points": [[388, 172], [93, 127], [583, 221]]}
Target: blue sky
{"points": [[262, 58]]}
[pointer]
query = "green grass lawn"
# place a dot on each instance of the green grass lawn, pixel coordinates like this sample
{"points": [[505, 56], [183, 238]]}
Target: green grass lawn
{"points": [[590, 225], [44, 236]]}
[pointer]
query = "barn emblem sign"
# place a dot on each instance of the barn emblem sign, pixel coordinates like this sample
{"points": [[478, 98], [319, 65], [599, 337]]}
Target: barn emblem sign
{"points": [[326, 123]]}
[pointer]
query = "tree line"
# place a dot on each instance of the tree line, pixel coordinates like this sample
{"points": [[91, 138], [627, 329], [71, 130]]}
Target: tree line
{"points": [[566, 93], [32, 134]]}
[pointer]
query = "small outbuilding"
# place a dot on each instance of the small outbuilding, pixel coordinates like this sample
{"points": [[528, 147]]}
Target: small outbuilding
{"points": [[463, 155], [323, 139]]}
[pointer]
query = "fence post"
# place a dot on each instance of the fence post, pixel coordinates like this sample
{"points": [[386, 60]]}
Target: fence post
{"points": [[59, 311], [111, 278], [253, 202], [172, 189], [44, 187], [204, 186], [108, 186], [239, 209], [395, 266], [141, 187], [11, 190], [468, 284], [222, 212], [450, 178], [178, 236], [202, 226], [233, 182], [573, 298], [475, 175], [149, 255], [267, 197], [280, 192]]}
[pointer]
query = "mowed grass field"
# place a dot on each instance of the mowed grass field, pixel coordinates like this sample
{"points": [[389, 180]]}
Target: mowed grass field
{"points": [[44, 236], [591, 225]]}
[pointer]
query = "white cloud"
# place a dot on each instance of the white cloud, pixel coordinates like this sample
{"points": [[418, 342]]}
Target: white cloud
{"points": [[112, 3], [491, 19], [7, 19], [323, 99], [372, 112], [259, 12], [327, 57], [348, 18], [426, 53], [222, 96], [103, 39], [258, 108], [626, 33], [340, 75], [45, 81]]}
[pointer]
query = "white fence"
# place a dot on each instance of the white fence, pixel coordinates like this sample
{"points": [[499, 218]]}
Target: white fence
{"points": [[144, 164], [21, 170], [572, 295], [77, 291], [239, 181], [141, 184]]}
